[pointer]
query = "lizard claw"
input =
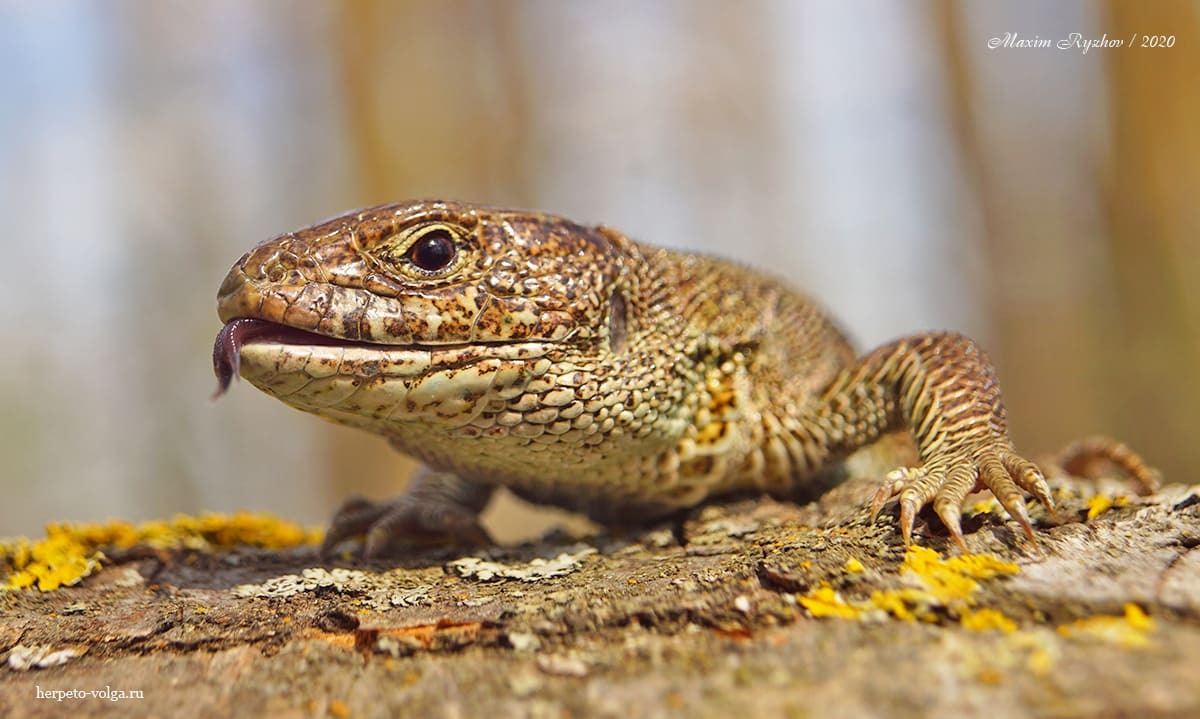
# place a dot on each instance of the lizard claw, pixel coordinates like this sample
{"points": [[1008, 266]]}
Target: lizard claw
{"points": [[946, 480], [401, 520], [889, 489], [353, 518], [952, 518], [437, 508]]}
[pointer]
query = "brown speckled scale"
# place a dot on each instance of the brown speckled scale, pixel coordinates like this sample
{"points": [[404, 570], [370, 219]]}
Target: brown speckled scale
{"points": [[582, 369]]}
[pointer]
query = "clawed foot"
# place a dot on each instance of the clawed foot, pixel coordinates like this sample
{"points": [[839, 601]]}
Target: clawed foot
{"points": [[951, 476], [438, 508], [386, 525]]}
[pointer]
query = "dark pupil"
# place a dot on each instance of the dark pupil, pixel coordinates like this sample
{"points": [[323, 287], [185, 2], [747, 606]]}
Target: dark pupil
{"points": [[433, 251]]}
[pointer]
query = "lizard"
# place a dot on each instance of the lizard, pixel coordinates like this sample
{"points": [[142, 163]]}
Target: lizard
{"points": [[580, 368]]}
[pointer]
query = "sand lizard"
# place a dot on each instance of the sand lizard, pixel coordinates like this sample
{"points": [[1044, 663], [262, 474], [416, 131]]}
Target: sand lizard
{"points": [[583, 369]]}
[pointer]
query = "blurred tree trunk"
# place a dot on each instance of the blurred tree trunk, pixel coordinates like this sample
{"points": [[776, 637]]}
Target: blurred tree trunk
{"points": [[1097, 321], [416, 131], [1153, 177], [1034, 230]]}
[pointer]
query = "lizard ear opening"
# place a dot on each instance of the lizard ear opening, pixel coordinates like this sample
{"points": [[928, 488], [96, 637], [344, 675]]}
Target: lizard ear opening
{"points": [[617, 321]]}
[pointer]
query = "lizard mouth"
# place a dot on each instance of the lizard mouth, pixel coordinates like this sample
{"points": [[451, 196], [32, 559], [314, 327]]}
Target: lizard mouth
{"points": [[242, 331]]}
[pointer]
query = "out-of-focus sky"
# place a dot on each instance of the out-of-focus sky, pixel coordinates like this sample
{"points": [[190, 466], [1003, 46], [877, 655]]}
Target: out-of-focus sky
{"points": [[900, 161]]}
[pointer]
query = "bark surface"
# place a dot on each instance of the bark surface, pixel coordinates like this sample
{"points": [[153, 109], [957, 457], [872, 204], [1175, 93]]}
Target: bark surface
{"points": [[755, 608]]}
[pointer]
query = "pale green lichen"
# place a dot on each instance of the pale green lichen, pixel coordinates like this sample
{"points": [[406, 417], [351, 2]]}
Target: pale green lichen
{"points": [[23, 658], [533, 571]]}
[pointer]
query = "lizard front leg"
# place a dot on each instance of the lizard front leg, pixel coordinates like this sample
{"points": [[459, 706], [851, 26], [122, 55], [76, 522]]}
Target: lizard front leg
{"points": [[942, 388], [435, 507]]}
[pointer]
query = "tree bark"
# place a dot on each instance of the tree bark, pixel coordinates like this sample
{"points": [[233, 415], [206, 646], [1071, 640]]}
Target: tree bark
{"points": [[756, 608]]}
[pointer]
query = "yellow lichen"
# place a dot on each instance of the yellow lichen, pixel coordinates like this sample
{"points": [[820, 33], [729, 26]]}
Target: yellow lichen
{"points": [[1040, 662], [953, 580], [1132, 630], [70, 552], [986, 620], [989, 675], [854, 566], [1101, 503], [947, 584], [983, 506], [1137, 618], [907, 605], [1098, 504], [56, 561], [1037, 647], [825, 602]]}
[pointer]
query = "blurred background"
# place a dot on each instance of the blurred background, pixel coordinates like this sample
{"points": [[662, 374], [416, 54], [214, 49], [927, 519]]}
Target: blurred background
{"points": [[878, 154]]}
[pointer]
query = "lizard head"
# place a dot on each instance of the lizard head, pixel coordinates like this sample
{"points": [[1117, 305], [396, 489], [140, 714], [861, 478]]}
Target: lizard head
{"points": [[426, 312]]}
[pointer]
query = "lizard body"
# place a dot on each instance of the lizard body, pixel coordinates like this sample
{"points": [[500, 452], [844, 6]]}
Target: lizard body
{"points": [[583, 369]]}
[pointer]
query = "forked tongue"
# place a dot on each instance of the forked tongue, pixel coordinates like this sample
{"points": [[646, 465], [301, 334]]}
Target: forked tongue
{"points": [[227, 349]]}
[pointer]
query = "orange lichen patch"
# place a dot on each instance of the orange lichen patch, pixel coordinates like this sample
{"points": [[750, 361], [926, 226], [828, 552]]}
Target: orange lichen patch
{"points": [[1131, 631], [342, 640], [445, 635], [734, 632], [989, 675], [70, 552]]}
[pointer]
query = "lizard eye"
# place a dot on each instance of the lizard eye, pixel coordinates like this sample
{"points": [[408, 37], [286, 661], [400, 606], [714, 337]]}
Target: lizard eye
{"points": [[433, 251]]}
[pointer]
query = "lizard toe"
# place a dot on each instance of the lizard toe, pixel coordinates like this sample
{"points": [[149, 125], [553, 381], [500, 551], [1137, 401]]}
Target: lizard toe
{"points": [[403, 521], [1027, 476], [437, 508], [408, 522], [947, 479], [996, 477], [353, 518], [890, 489], [920, 488], [960, 481]]}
